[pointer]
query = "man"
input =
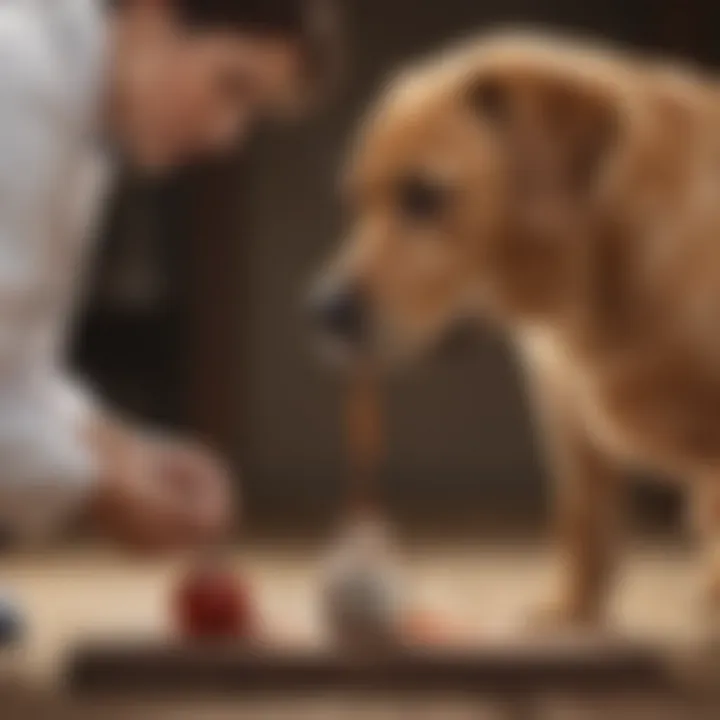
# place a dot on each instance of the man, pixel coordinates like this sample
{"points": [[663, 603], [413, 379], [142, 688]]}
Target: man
{"points": [[159, 82]]}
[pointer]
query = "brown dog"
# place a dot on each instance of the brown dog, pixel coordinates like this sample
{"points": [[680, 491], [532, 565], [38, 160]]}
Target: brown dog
{"points": [[572, 195]]}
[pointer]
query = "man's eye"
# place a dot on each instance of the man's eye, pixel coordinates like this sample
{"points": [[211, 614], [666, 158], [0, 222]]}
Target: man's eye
{"points": [[421, 199]]}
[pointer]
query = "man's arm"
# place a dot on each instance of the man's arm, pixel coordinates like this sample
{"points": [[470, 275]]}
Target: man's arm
{"points": [[60, 454], [45, 468]]}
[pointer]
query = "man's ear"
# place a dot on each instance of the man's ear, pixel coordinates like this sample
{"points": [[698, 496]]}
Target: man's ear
{"points": [[558, 130]]}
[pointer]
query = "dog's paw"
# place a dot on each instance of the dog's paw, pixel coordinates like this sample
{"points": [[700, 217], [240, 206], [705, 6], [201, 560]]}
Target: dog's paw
{"points": [[709, 625]]}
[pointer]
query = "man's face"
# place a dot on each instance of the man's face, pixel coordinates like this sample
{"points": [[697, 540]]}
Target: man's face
{"points": [[182, 94]]}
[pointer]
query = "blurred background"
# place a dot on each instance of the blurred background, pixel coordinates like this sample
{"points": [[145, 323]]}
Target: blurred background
{"points": [[195, 322], [196, 318]]}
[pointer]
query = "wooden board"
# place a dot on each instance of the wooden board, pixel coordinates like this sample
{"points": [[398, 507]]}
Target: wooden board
{"points": [[146, 669]]}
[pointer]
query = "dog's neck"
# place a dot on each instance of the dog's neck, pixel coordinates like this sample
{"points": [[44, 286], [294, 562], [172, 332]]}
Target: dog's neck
{"points": [[578, 286]]}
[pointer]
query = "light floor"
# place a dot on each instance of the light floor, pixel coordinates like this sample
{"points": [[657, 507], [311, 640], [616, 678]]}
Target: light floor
{"points": [[481, 589]]}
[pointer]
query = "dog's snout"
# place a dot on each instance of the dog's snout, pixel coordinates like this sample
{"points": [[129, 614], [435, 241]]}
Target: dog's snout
{"points": [[340, 313]]}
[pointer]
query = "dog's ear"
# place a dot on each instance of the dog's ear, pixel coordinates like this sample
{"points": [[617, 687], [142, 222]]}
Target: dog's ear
{"points": [[558, 130]]}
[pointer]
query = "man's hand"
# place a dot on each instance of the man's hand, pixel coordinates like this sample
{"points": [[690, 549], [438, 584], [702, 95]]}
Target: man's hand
{"points": [[156, 494]]}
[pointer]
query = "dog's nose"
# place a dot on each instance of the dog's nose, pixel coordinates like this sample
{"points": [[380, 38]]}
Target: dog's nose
{"points": [[340, 313]]}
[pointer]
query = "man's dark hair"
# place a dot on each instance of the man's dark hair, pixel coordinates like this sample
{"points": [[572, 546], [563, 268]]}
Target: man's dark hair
{"points": [[313, 23]]}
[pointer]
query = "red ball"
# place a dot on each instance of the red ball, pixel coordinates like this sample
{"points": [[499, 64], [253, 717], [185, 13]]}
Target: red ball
{"points": [[214, 605]]}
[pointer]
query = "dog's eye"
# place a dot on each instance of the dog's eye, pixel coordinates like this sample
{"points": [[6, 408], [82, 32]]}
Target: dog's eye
{"points": [[489, 99], [421, 199]]}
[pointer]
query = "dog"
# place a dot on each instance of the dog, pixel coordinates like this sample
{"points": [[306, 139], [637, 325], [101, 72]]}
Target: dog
{"points": [[568, 193]]}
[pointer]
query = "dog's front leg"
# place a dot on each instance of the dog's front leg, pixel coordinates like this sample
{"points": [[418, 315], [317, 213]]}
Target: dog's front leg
{"points": [[587, 499], [706, 516]]}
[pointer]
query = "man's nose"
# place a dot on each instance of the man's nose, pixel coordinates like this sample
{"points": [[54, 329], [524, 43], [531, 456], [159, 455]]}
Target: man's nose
{"points": [[340, 313]]}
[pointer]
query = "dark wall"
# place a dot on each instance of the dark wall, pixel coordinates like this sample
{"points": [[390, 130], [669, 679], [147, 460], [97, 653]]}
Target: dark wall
{"points": [[459, 430]]}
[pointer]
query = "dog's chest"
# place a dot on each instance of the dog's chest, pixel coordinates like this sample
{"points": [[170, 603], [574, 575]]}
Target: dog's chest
{"points": [[593, 400], [660, 413]]}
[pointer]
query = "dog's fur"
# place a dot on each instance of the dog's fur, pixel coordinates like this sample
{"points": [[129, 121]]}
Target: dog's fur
{"points": [[581, 212]]}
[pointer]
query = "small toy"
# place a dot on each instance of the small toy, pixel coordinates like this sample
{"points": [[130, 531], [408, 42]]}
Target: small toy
{"points": [[361, 592], [212, 604], [361, 589]]}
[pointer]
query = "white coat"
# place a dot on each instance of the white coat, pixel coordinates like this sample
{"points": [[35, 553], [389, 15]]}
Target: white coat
{"points": [[53, 175]]}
